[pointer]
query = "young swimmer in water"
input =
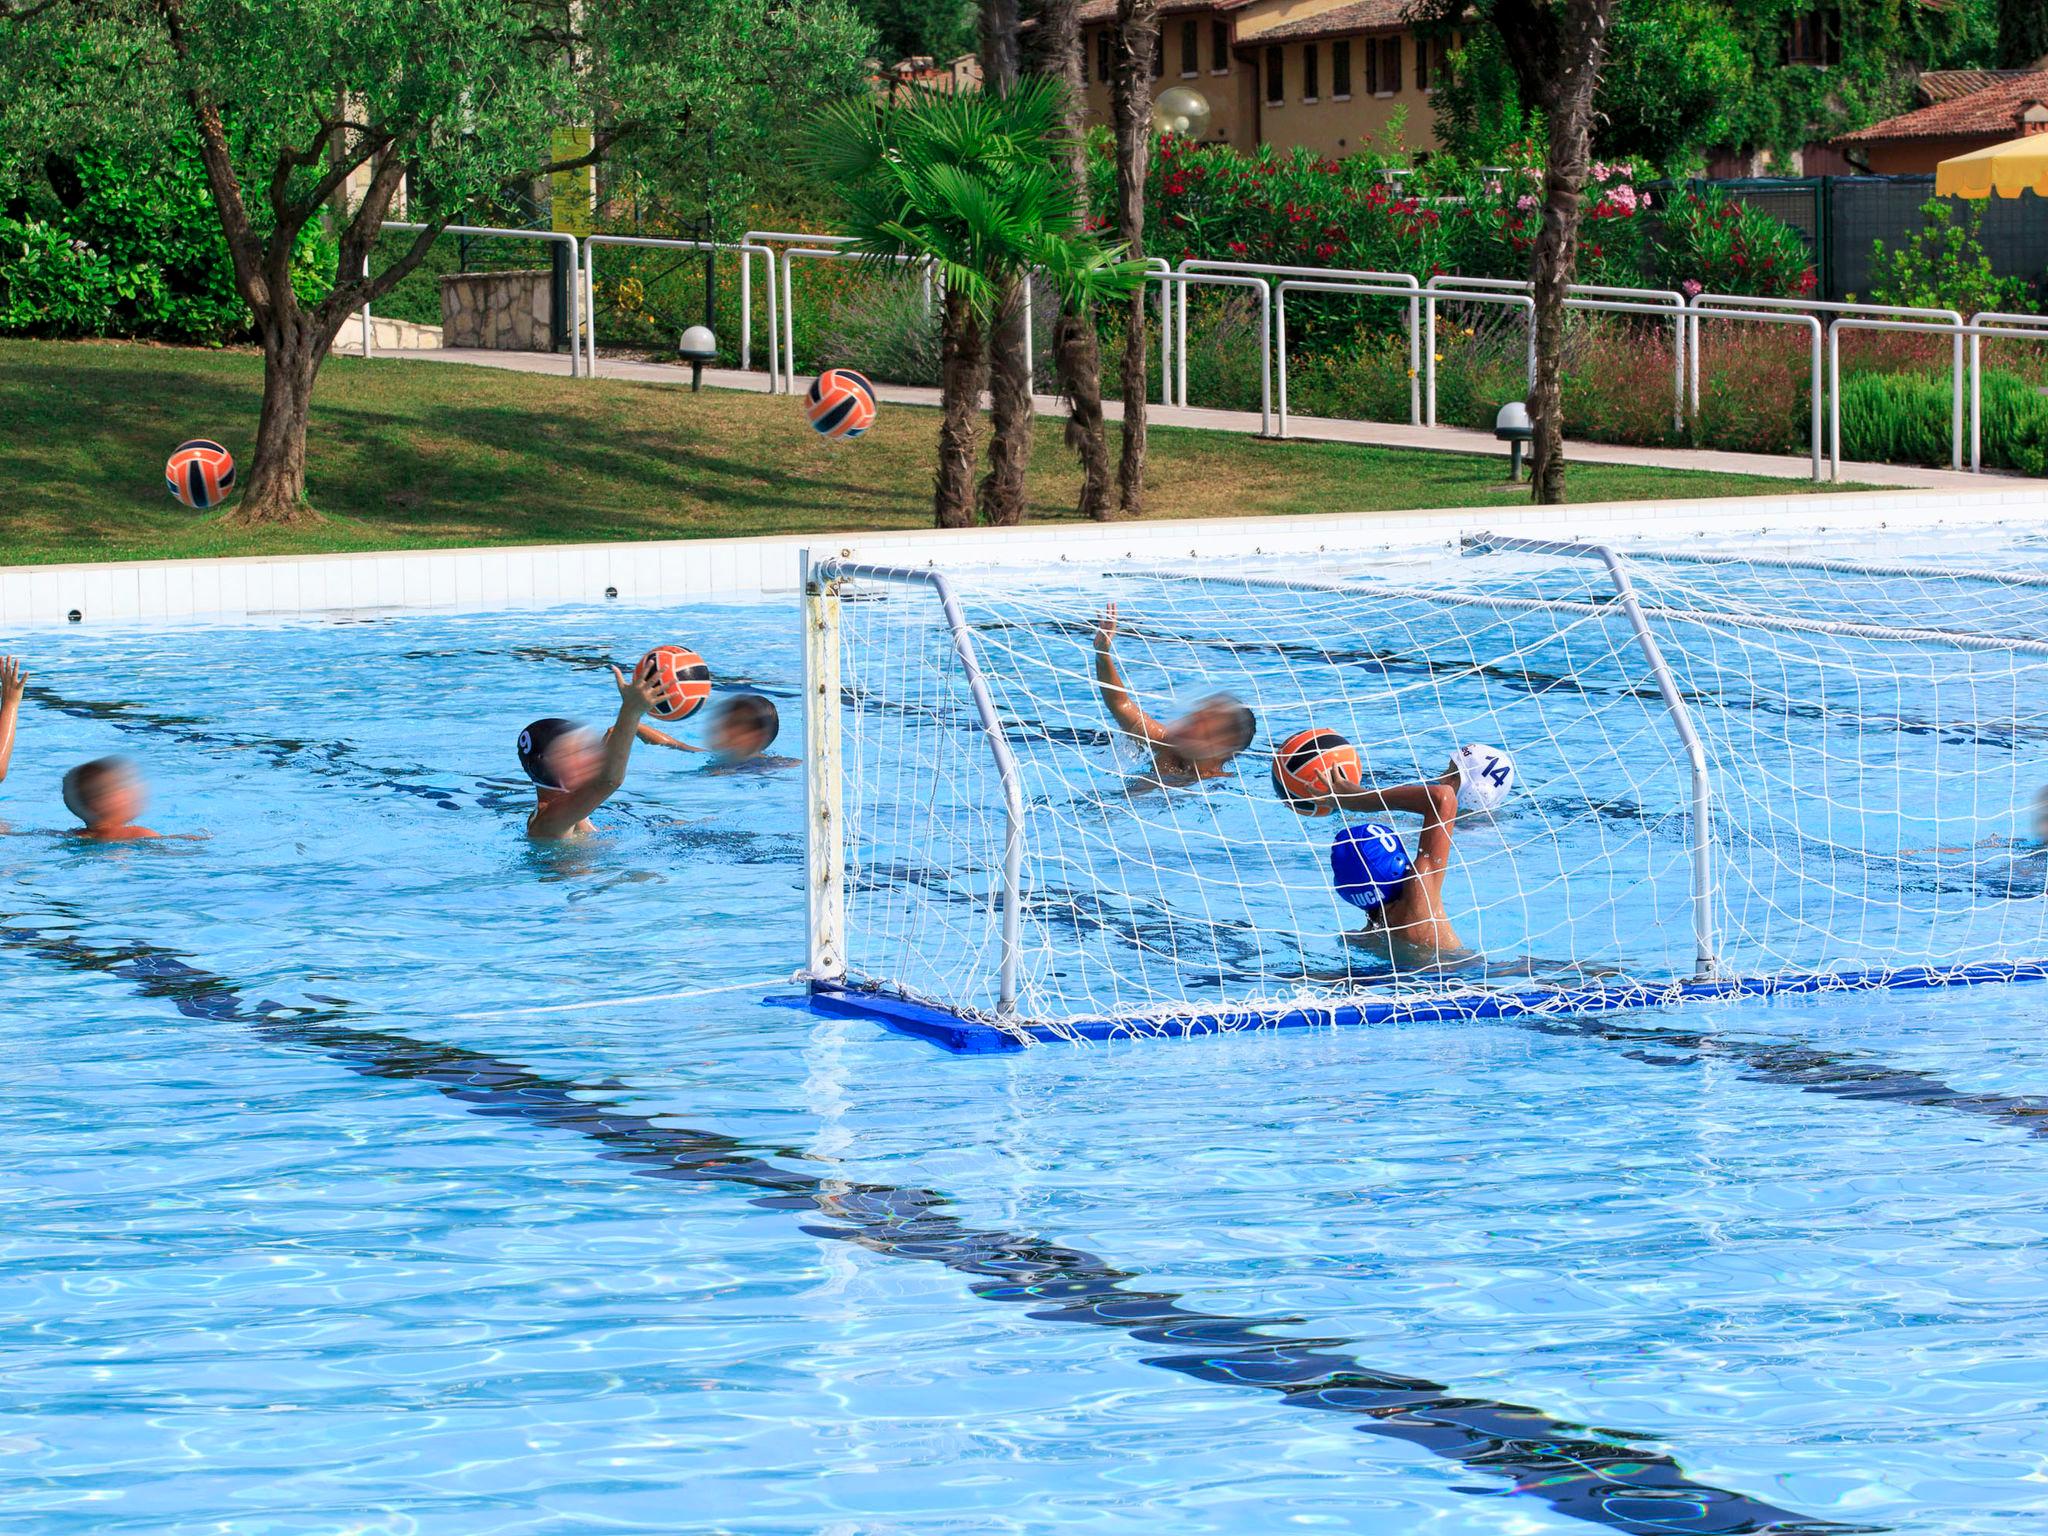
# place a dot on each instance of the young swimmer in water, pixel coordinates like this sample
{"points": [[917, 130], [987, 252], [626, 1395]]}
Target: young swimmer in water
{"points": [[573, 770], [1199, 745], [743, 727], [107, 795], [1401, 896]]}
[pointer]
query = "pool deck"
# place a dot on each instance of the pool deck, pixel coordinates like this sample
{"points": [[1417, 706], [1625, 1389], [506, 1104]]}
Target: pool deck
{"points": [[1377, 434]]}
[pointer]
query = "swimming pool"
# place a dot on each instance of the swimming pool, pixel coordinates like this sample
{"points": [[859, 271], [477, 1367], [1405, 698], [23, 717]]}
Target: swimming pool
{"points": [[317, 1222]]}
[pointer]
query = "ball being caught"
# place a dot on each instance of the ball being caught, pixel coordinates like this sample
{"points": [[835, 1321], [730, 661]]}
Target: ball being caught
{"points": [[682, 682], [1311, 764], [842, 404], [200, 473], [1486, 777]]}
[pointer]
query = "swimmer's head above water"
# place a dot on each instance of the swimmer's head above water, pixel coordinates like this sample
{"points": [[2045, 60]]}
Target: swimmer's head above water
{"points": [[560, 756], [108, 795], [742, 727], [1213, 732]]}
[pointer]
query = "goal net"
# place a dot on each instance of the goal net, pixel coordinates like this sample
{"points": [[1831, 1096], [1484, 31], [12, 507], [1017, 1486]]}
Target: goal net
{"points": [[1859, 810]]}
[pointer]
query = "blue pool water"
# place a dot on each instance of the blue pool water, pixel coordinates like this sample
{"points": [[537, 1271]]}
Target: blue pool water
{"points": [[310, 1228]]}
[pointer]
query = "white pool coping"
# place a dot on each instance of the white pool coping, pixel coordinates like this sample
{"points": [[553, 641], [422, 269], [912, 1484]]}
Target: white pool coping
{"points": [[517, 576]]}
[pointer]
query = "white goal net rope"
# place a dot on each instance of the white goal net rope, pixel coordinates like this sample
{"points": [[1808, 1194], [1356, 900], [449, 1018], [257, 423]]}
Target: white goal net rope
{"points": [[1875, 737]]}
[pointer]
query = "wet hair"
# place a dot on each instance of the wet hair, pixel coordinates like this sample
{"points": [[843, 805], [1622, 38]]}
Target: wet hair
{"points": [[85, 782], [534, 744], [752, 713]]}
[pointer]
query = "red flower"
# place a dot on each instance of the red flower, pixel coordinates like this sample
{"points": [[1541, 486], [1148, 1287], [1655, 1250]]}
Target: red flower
{"points": [[1326, 250], [1239, 248]]}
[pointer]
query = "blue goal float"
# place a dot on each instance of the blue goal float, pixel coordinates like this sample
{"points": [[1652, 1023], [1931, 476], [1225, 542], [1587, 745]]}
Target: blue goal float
{"points": [[966, 1034]]}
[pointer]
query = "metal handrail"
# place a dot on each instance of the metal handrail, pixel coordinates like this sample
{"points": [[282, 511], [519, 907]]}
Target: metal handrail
{"points": [[1814, 378], [2012, 327], [1365, 290], [747, 252], [1187, 280], [1450, 283], [552, 236], [762, 237], [1403, 280], [830, 570], [1894, 317], [832, 253]]}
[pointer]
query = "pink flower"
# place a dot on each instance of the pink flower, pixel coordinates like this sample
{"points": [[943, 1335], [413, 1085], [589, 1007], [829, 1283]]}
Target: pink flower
{"points": [[1692, 288]]}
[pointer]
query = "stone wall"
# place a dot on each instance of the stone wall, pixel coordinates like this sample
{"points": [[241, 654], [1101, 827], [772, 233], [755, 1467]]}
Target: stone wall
{"points": [[500, 311]]}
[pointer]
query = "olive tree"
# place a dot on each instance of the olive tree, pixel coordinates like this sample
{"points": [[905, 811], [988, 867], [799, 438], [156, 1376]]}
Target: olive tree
{"points": [[303, 111]]}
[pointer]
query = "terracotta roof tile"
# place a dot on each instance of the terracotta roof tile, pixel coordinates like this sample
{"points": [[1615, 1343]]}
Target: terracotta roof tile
{"points": [[1992, 112], [1093, 11], [1359, 16], [1947, 84]]}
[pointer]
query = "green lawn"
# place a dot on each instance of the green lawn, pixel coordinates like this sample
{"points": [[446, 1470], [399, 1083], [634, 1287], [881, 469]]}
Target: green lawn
{"points": [[410, 455]]}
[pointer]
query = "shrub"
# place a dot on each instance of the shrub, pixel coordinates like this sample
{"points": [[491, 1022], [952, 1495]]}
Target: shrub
{"points": [[884, 329], [1903, 418], [1899, 418], [146, 255], [50, 283], [1944, 266], [1708, 241]]}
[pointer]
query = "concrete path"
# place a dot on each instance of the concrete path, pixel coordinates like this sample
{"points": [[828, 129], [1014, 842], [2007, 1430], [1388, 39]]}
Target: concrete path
{"points": [[1378, 434]]}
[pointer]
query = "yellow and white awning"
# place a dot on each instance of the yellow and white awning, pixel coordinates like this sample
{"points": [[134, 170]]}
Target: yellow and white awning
{"points": [[2007, 169]]}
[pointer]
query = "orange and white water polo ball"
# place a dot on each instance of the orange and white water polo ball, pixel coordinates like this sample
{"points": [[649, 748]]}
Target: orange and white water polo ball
{"points": [[842, 404], [1309, 765], [682, 682], [200, 473]]}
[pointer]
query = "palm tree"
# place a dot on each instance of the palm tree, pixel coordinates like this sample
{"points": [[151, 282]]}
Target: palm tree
{"points": [[1076, 347], [975, 183], [1137, 33]]}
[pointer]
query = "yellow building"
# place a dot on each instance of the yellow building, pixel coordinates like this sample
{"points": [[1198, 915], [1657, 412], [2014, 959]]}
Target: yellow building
{"points": [[1331, 75]]}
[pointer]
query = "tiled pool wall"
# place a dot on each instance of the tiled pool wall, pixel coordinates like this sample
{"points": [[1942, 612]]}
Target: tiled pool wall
{"points": [[496, 578]]}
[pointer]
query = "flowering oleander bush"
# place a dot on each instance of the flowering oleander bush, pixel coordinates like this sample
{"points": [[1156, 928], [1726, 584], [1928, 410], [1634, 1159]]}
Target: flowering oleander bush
{"points": [[1298, 208], [1710, 242]]}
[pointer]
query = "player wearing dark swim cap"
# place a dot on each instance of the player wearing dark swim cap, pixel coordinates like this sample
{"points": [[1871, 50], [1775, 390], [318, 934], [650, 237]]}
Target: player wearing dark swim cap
{"points": [[1401, 895], [573, 770]]}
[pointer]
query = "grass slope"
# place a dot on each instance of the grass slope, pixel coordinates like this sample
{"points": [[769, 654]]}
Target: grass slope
{"points": [[410, 454]]}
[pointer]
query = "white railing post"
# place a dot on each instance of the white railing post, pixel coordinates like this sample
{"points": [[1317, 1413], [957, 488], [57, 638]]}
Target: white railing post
{"points": [[832, 570], [824, 781], [369, 330]]}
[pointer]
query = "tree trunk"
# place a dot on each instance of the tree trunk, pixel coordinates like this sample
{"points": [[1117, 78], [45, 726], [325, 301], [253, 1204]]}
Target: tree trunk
{"points": [[1076, 348], [1077, 353], [1010, 416], [1581, 41], [275, 491], [963, 372], [1131, 107]]}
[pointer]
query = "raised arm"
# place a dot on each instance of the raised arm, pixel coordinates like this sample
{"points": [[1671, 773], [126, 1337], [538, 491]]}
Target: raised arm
{"points": [[13, 683], [559, 816], [1436, 804], [1116, 697]]}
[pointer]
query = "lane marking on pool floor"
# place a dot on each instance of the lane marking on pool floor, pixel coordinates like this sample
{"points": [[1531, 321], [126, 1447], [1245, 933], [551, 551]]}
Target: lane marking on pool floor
{"points": [[1588, 1475]]}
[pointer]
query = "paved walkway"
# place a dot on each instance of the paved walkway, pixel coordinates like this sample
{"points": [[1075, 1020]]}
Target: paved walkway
{"points": [[1379, 434]]}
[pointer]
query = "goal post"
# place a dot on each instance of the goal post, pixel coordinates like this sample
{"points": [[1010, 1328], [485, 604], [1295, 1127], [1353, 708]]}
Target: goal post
{"points": [[1737, 773], [827, 785]]}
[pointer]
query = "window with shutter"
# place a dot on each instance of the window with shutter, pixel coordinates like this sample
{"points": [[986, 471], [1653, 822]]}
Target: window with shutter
{"points": [[1308, 72], [1276, 78], [1340, 69]]}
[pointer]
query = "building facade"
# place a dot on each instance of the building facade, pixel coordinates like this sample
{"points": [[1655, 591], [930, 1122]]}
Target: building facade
{"points": [[1965, 110], [1334, 76]]}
